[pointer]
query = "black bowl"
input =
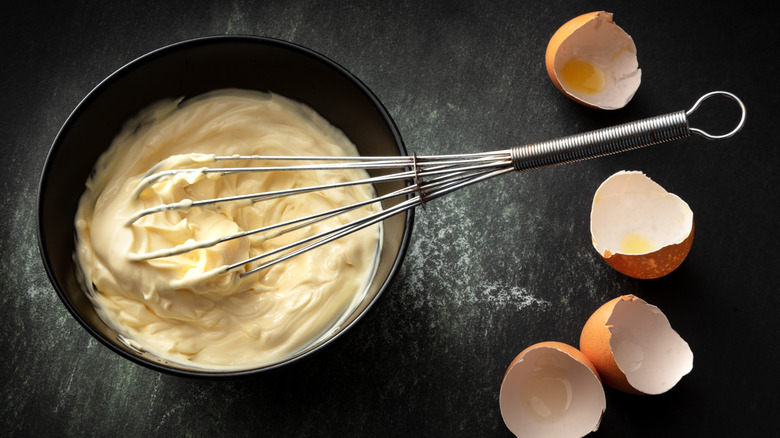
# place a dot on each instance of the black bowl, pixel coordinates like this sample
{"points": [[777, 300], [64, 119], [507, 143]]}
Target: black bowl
{"points": [[187, 69]]}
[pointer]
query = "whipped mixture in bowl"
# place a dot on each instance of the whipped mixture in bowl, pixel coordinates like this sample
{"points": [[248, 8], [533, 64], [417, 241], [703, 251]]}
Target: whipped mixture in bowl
{"points": [[183, 308]]}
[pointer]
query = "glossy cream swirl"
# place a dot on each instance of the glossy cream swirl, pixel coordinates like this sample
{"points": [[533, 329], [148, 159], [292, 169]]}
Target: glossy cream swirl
{"points": [[173, 307]]}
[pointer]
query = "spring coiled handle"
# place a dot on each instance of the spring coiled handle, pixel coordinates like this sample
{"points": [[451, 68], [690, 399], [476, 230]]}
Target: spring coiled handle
{"points": [[620, 138]]}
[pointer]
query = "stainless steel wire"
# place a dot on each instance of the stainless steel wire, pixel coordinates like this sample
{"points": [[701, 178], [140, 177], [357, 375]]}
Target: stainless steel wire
{"points": [[429, 177]]}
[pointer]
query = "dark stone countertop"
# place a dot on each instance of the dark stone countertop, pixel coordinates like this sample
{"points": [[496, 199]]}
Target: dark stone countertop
{"points": [[492, 269]]}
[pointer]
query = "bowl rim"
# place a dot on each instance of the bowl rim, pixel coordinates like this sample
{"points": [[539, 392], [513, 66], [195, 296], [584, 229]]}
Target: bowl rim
{"points": [[139, 62]]}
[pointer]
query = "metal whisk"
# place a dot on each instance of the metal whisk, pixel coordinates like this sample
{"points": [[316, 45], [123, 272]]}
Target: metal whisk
{"points": [[429, 178]]}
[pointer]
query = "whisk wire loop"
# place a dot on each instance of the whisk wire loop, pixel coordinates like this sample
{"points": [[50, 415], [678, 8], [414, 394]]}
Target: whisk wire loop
{"points": [[428, 177]]}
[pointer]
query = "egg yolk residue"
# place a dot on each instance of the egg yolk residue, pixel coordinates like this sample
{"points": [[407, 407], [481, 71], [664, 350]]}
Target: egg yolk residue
{"points": [[635, 243], [582, 76]]}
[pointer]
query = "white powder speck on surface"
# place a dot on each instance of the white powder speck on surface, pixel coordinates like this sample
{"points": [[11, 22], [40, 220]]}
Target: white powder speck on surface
{"points": [[501, 296]]}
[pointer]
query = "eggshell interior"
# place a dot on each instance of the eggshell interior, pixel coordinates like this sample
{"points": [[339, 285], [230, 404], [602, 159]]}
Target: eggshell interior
{"points": [[634, 347], [595, 38], [551, 390], [647, 230]]}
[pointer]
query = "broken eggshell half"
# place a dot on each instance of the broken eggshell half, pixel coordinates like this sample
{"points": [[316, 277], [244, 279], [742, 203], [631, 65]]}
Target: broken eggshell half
{"points": [[638, 227], [634, 348], [593, 61], [551, 389]]}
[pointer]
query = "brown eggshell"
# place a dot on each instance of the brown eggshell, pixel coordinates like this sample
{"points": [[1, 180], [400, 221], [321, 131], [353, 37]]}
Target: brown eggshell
{"points": [[634, 348], [551, 390], [654, 265], [561, 35], [594, 343], [595, 38], [630, 203]]}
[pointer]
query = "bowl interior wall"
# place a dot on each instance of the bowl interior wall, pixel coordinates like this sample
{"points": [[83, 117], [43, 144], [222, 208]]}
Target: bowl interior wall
{"points": [[185, 70]]}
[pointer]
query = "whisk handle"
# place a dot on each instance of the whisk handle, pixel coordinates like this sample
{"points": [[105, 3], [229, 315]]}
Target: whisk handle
{"points": [[620, 138]]}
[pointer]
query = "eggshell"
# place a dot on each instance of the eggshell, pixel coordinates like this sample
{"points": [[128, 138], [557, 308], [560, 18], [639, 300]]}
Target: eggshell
{"points": [[595, 39], [551, 389], [628, 208], [634, 348]]}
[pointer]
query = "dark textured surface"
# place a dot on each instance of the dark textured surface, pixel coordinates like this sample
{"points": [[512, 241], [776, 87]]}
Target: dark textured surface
{"points": [[492, 269]]}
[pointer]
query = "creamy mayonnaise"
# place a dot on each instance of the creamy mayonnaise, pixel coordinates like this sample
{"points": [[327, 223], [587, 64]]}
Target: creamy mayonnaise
{"points": [[176, 307]]}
